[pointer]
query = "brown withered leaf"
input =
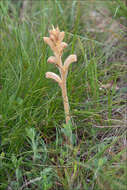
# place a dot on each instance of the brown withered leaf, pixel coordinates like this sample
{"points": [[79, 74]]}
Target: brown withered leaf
{"points": [[109, 86]]}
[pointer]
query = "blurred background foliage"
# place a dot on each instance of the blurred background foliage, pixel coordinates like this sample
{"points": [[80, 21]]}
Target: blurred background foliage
{"points": [[33, 152]]}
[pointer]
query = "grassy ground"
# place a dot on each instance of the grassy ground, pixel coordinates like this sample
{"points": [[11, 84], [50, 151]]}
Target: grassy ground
{"points": [[33, 152]]}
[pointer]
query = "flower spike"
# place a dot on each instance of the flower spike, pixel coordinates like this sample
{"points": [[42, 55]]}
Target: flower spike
{"points": [[55, 41]]}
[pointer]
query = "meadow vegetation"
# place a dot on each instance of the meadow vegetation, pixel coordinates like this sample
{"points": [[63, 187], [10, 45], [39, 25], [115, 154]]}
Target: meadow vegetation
{"points": [[34, 153]]}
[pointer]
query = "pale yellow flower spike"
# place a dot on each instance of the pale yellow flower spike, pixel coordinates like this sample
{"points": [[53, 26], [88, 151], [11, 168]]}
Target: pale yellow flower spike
{"points": [[55, 41]]}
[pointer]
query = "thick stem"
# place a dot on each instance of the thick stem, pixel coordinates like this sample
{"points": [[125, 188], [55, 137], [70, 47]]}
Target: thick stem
{"points": [[65, 98], [63, 87]]}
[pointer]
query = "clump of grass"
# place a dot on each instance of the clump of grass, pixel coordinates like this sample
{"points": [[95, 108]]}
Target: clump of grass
{"points": [[33, 153]]}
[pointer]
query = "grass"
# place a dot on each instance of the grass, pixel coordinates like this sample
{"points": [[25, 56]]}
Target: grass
{"points": [[33, 151]]}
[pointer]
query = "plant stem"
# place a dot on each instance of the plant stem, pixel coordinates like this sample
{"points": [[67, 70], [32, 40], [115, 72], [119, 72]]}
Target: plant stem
{"points": [[64, 89], [65, 98]]}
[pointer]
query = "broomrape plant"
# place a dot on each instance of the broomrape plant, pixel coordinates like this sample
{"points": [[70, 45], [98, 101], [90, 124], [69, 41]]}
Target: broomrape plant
{"points": [[55, 41]]}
